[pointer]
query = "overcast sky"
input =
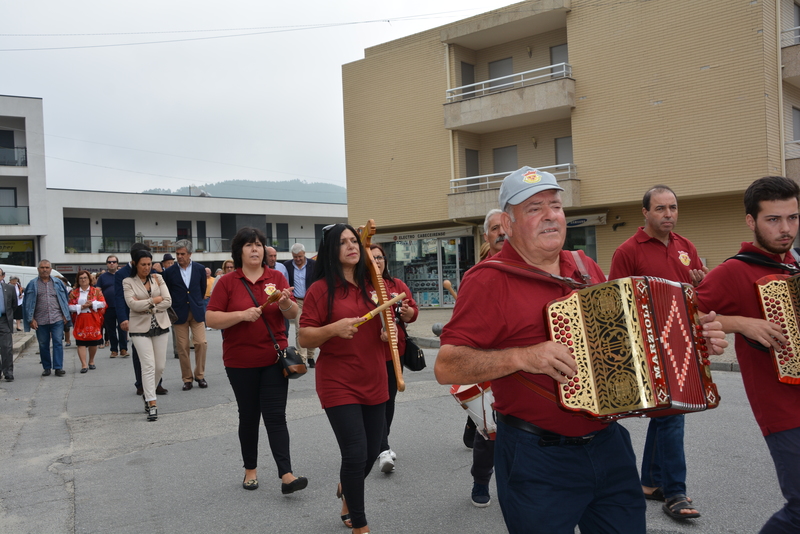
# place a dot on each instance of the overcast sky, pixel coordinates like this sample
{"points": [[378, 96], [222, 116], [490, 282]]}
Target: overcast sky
{"points": [[129, 118]]}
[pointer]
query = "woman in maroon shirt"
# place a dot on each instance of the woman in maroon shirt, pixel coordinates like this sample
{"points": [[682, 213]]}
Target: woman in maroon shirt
{"points": [[249, 354], [406, 311], [351, 369]]}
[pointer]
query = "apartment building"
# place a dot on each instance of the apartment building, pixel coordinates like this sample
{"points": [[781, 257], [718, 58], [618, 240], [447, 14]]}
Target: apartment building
{"points": [[611, 97], [77, 229]]}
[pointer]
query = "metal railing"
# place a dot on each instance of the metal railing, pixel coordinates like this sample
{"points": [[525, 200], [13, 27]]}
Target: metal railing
{"points": [[566, 171], [790, 37], [14, 157], [512, 81], [161, 245], [14, 215]]}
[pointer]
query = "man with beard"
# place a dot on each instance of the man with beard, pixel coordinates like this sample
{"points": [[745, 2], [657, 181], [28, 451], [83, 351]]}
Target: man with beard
{"points": [[656, 250], [771, 207]]}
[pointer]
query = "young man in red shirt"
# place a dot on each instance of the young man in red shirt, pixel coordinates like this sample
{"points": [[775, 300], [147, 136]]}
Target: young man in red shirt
{"points": [[772, 215], [655, 250], [555, 470]]}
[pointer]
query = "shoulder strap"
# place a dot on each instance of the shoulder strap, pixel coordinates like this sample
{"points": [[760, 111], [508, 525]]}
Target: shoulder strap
{"points": [[523, 269], [266, 323], [536, 388], [760, 259], [576, 255]]}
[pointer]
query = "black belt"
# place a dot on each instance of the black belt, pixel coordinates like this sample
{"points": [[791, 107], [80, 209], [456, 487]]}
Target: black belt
{"points": [[548, 438]]}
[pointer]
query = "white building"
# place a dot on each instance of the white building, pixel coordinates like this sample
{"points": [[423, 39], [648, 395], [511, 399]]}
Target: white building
{"points": [[79, 229]]}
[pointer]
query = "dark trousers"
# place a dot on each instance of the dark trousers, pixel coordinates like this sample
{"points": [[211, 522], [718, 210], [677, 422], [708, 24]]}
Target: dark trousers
{"points": [[785, 450], [116, 335], [663, 459], [261, 394], [389, 404], [359, 430], [6, 346], [482, 459], [551, 489]]}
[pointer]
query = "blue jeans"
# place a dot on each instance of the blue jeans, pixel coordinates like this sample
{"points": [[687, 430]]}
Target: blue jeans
{"points": [[785, 450], [552, 489], [663, 459], [44, 334]]}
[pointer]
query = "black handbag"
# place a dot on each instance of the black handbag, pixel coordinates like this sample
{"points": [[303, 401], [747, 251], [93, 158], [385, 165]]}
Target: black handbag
{"points": [[293, 366], [413, 357], [173, 316]]}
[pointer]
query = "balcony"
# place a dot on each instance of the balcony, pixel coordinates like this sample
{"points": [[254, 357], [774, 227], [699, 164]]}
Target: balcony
{"points": [[790, 56], [14, 215], [14, 157], [539, 95], [474, 196], [162, 245]]}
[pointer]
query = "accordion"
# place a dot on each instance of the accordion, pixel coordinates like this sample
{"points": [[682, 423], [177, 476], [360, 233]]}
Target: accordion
{"points": [[639, 349], [780, 297]]}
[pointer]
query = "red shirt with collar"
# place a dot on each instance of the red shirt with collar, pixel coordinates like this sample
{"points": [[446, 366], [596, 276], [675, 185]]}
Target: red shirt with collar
{"points": [[348, 371], [642, 255], [729, 289], [248, 344], [498, 310]]}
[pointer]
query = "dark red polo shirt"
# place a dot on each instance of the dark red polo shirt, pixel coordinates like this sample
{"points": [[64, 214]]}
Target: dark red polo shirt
{"points": [[498, 310], [348, 371], [642, 255], [729, 289]]}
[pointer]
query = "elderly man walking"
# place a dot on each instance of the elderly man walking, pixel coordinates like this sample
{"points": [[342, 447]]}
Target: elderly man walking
{"points": [[186, 281], [301, 271], [45, 310]]}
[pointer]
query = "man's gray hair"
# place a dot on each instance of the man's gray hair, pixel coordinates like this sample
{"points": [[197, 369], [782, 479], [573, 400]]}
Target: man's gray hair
{"points": [[184, 243], [44, 261], [489, 215], [297, 248]]}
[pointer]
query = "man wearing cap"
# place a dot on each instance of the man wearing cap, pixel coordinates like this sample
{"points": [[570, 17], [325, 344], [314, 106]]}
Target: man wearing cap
{"points": [[655, 250], [554, 469]]}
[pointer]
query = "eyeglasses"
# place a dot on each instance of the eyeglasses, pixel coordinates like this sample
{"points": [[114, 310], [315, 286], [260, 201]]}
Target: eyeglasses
{"points": [[378, 258], [111, 261]]}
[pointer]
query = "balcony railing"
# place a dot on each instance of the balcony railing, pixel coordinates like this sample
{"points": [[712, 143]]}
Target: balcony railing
{"points": [[790, 37], [512, 81], [14, 157], [565, 171], [161, 244], [14, 215]]}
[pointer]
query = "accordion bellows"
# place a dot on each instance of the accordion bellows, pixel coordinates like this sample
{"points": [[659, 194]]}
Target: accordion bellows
{"points": [[639, 348]]}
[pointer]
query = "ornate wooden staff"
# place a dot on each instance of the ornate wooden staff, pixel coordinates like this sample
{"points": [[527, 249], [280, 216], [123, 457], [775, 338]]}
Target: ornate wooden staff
{"points": [[449, 286], [367, 232]]}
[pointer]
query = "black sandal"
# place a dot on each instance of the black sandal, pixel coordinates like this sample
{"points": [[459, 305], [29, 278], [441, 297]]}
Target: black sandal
{"points": [[345, 517], [675, 504], [657, 495]]}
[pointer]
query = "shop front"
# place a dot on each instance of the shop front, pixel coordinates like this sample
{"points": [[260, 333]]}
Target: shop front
{"points": [[424, 260], [17, 252]]}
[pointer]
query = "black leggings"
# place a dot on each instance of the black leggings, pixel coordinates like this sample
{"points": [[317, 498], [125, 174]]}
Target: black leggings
{"points": [[359, 430], [389, 404], [261, 393]]}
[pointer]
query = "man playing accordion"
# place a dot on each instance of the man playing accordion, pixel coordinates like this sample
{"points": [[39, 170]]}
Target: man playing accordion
{"points": [[554, 469], [771, 213]]}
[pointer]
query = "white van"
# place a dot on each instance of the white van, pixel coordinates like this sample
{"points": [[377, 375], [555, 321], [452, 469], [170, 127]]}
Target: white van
{"points": [[25, 274]]}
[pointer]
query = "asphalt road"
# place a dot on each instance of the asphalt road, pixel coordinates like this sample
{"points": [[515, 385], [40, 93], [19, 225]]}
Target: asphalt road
{"points": [[77, 455]]}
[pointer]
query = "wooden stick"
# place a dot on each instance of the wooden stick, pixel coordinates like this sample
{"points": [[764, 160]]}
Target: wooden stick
{"points": [[448, 286], [379, 309], [275, 297]]}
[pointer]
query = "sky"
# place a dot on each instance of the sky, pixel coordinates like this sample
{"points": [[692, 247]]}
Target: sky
{"points": [[247, 90]]}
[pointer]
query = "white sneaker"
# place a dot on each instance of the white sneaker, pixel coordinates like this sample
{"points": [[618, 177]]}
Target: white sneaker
{"points": [[386, 462], [394, 456]]}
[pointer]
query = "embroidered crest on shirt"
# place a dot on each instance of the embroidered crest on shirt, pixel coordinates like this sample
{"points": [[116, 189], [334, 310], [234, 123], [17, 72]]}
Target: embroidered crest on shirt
{"points": [[374, 296], [270, 289], [684, 257], [531, 177]]}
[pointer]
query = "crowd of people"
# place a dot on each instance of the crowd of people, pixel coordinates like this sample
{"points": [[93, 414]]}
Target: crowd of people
{"points": [[544, 458]]}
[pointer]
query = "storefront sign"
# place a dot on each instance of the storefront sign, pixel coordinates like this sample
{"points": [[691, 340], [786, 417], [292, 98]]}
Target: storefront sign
{"points": [[16, 246], [462, 231], [586, 220]]}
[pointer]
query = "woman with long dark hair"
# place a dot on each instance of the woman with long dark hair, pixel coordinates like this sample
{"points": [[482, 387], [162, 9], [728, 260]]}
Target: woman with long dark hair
{"points": [[351, 369], [406, 311], [248, 352]]}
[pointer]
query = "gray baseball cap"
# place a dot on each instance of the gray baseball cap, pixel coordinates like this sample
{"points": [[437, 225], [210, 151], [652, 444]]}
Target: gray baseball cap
{"points": [[523, 183]]}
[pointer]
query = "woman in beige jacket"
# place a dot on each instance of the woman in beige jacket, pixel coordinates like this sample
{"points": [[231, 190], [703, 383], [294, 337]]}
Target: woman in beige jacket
{"points": [[148, 298]]}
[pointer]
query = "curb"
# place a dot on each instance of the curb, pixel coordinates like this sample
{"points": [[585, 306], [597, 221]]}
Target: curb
{"points": [[434, 343], [22, 343]]}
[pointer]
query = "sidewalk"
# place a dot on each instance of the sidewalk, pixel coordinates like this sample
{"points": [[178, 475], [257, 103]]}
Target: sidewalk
{"points": [[422, 332]]}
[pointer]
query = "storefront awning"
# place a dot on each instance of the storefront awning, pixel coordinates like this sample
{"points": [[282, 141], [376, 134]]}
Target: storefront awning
{"points": [[461, 231], [586, 220]]}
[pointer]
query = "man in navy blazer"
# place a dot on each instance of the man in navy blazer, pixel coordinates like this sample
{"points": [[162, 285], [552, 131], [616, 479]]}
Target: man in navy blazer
{"points": [[186, 281], [121, 307], [301, 272]]}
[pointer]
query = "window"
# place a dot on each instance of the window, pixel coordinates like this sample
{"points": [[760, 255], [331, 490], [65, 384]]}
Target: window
{"points": [[505, 159], [6, 138], [184, 230], [796, 39], [582, 238], [468, 78], [118, 235], [563, 150], [282, 230], [498, 69], [8, 197], [472, 168], [77, 234], [558, 54], [795, 124], [201, 237]]}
